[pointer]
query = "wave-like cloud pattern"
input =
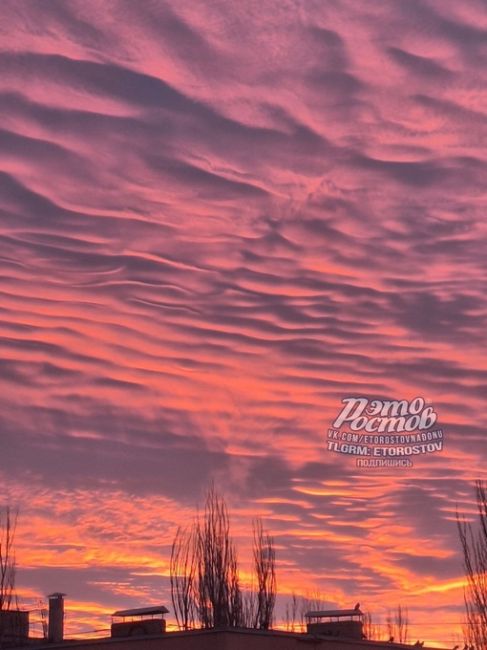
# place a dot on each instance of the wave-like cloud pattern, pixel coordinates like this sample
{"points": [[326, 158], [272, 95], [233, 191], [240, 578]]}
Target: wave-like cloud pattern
{"points": [[217, 221]]}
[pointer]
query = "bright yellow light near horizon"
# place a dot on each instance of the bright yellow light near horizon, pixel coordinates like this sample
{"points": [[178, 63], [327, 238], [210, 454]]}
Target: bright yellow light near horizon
{"points": [[447, 586]]}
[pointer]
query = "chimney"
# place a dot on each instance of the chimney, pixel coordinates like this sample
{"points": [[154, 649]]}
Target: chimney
{"points": [[55, 632]]}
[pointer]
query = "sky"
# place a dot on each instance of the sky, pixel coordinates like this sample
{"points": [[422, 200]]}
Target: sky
{"points": [[218, 220]]}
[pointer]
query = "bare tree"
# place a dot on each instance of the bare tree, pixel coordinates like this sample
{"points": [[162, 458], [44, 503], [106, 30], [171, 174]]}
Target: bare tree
{"points": [[474, 549], [296, 609], [402, 624], [313, 601], [44, 621], [236, 613], [472, 630], [8, 523], [10, 617], [265, 570], [249, 607], [204, 576], [182, 571], [291, 613], [219, 600], [371, 630], [398, 624]]}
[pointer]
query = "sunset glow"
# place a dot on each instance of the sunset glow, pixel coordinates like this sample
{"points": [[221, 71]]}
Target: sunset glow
{"points": [[219, 220]]}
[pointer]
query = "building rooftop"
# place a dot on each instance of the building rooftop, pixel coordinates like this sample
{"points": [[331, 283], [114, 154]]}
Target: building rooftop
{"points": [[223, 639], [329, 613], [142, 611]]}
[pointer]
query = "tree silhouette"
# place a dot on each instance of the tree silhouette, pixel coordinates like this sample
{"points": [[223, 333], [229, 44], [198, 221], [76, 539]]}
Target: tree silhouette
{"points": [[474, 547], [8, 522], [265, 569], [371, 629], [204, 575], [10, 621], [398, 624], [218, 594], [182, 573]]}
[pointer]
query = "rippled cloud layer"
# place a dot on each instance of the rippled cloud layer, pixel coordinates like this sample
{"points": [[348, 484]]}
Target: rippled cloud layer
{"points": [[217, 221]]}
